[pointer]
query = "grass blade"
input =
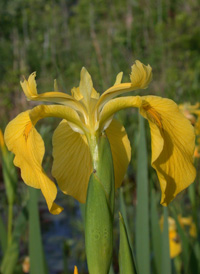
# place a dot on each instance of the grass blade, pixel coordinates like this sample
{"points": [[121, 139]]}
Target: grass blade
{"points": [[3, 236], [35, 241], [126, 260], [142, 213], [11, 256], [155, 233], [166, 261]]}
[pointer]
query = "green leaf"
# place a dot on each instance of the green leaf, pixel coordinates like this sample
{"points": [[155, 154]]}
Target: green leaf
{"points": [[11, 256], [3, 236], [111, 271], [155, 233], [36, 252], [126, 260], [9, 175], [124, 214], [165, 261], [142, 209]]}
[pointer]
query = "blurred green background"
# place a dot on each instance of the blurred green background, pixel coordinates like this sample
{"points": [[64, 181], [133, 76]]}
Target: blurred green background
{"points": [[56, 38]]}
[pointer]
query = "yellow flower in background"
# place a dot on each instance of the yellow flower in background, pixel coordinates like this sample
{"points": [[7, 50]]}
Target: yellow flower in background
{"points": [[86, 115], [189, 112], [174, 239], [2, 143], [187, 221]]}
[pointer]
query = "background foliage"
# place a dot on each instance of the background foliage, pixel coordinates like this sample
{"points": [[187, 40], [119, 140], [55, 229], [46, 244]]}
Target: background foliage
{"points": [[56, 38]]}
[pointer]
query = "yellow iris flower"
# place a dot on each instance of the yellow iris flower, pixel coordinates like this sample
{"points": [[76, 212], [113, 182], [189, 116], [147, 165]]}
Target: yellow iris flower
{"points": [[174, 239], [86, 115], [175, 246]]}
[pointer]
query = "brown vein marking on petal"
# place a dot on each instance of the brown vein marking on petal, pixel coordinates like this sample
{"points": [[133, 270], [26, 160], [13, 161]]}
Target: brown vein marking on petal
{"points": [[27, 130], [152, 114]]}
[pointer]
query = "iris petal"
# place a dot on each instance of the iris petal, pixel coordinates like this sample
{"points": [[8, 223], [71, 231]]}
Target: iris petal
{"points": [[72, 164], [141, 76], [30, 89], [25, 142], [172, 140], [121, 150], [172, 144]]}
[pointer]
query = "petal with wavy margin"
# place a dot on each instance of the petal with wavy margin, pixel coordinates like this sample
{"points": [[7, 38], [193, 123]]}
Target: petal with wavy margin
{"points": [[172, 145], [26, 143]]}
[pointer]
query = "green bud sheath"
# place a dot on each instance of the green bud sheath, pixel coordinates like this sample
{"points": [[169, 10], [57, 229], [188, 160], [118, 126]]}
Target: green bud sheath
{"points": [[99, 212], [126, 260]]}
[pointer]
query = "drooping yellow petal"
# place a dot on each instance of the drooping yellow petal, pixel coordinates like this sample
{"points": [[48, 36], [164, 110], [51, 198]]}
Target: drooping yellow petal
{"points": [[141, 76], [172, 140], [121, 150], [72, 164], [115, 105], [25, 142], [43, 111], [172, 144], [174, 244], [30, 89]]}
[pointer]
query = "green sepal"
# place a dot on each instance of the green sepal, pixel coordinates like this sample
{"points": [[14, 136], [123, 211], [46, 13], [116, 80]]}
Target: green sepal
{"points": [[126, 260]]}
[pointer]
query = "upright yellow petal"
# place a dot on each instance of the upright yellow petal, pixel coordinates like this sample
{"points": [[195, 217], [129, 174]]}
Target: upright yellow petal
{"points": [[86, 85], [121, 150], [118, 78], [30, 89], [25, 142], [72, 164], [141, 76], [172, 144]]}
